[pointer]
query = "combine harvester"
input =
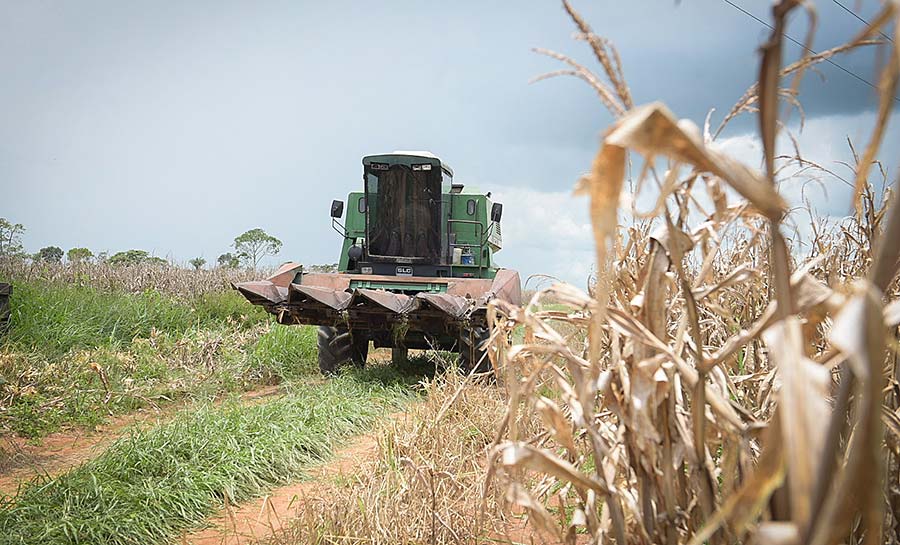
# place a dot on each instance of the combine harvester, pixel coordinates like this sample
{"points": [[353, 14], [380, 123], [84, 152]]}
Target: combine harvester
{"points": [[416, 269]]}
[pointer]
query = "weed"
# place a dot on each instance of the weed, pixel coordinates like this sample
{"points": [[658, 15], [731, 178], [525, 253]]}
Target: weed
{"points": [[425, 486], [122, 351], [152, 484], [54, 318]]}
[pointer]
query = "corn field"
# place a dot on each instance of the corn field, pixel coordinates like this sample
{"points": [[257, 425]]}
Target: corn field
{"points": [[136, 278], [713, 385]]}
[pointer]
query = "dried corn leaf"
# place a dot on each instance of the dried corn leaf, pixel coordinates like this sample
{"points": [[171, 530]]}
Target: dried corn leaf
{"points": [[802, 408], [537, 513], [859, 334], [560, 427], [892, 314], [777, 533], [653, 130], [743, 507], [525, 456], [739, 275], [887, 91]]}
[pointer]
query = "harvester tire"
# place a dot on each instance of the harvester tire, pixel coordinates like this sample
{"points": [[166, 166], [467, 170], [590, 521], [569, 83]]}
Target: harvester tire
{"points": [[472, 353], [399, 355], [337, 346]]}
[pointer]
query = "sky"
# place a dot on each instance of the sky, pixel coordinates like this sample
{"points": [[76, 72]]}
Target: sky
{"points": [[174, 126]]}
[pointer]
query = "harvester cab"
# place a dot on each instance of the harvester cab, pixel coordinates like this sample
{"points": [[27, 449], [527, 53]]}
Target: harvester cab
{"points": [[416, 268]]}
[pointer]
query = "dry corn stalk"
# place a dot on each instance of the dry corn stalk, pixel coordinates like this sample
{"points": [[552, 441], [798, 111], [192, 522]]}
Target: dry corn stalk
{"points": [[709, 388]]}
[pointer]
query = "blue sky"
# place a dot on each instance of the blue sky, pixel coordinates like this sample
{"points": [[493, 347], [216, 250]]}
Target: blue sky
{"points": [[174, 126]]}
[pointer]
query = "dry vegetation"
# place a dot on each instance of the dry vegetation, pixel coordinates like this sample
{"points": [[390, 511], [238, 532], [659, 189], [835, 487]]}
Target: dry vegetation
{"points": [[136, 278], [131, 337], [713, 386], [427, 483]]}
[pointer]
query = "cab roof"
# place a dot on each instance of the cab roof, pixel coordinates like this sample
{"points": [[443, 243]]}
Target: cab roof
{"points": [[407, 153]]}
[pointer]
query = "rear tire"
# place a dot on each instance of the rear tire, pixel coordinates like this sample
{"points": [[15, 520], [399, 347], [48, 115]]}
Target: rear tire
{"points": [[399, 356], [472, 350], [337, 346]]}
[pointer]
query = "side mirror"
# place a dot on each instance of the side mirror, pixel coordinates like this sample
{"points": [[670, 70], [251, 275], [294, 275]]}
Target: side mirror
{"points": [[496, 212], [337, 209]]}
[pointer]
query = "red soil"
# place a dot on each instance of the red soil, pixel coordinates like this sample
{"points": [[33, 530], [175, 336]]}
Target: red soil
{"points": [[58, 452], [260, 518]]}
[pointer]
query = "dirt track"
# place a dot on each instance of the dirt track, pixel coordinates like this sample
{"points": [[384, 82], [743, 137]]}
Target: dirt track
{"points": [[260, 518], [61, 451], [252, 521]]}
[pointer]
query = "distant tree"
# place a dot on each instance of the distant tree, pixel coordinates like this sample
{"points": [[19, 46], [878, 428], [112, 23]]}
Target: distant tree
{"points": [[325, 268], [11, 238], [50, 254], [197, 263], [228, 261], [254, 245], [129, 257], [135, 257], [77, 255]]}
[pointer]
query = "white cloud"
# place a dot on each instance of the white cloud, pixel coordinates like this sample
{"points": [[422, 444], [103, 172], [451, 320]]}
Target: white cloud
{"points": [[549, 232], [824, 141], [545, 232]]}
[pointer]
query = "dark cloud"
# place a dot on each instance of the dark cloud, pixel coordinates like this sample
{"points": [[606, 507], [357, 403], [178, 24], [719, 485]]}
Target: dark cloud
{"points": [[174, 126]]}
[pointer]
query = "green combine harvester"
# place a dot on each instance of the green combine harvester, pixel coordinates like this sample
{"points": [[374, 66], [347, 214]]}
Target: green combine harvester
{"points": [[416, 268]]}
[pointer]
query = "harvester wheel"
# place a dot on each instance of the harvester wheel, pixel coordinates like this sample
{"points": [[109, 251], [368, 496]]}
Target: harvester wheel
{"points": [[399, 355], [337, 346], [472, 353]]}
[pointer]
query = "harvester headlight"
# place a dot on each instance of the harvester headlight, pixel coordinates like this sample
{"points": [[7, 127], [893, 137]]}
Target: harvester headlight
{"points": [[365, 270]]}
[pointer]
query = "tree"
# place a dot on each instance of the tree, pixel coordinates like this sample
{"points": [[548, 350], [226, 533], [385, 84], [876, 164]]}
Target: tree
{"points": [[325, 268], [198, 263], [77, 255], [254, 245], [135, 257], [11, 238], [228, 261], [50, 254], [129, 257]]}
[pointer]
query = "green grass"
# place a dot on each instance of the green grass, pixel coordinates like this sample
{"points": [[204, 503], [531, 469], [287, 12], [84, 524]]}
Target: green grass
{"points": [[286, 352], [151, 348], [53, 318], [196, 365], [148, 487]]}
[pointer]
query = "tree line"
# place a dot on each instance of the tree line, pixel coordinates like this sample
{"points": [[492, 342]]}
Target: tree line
{"points": [[247, 249]]}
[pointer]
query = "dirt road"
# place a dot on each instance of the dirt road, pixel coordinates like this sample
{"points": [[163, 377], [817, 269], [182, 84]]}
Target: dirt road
{"points": [[58, 452], [260, 518]]}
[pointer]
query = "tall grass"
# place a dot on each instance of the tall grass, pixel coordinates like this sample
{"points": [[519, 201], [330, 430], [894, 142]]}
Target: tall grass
{"points": [[54, 318], [76, 353], [40, 394], [715, 385], [285, 352], [147, 487], [103, 276], [426, 483]]}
